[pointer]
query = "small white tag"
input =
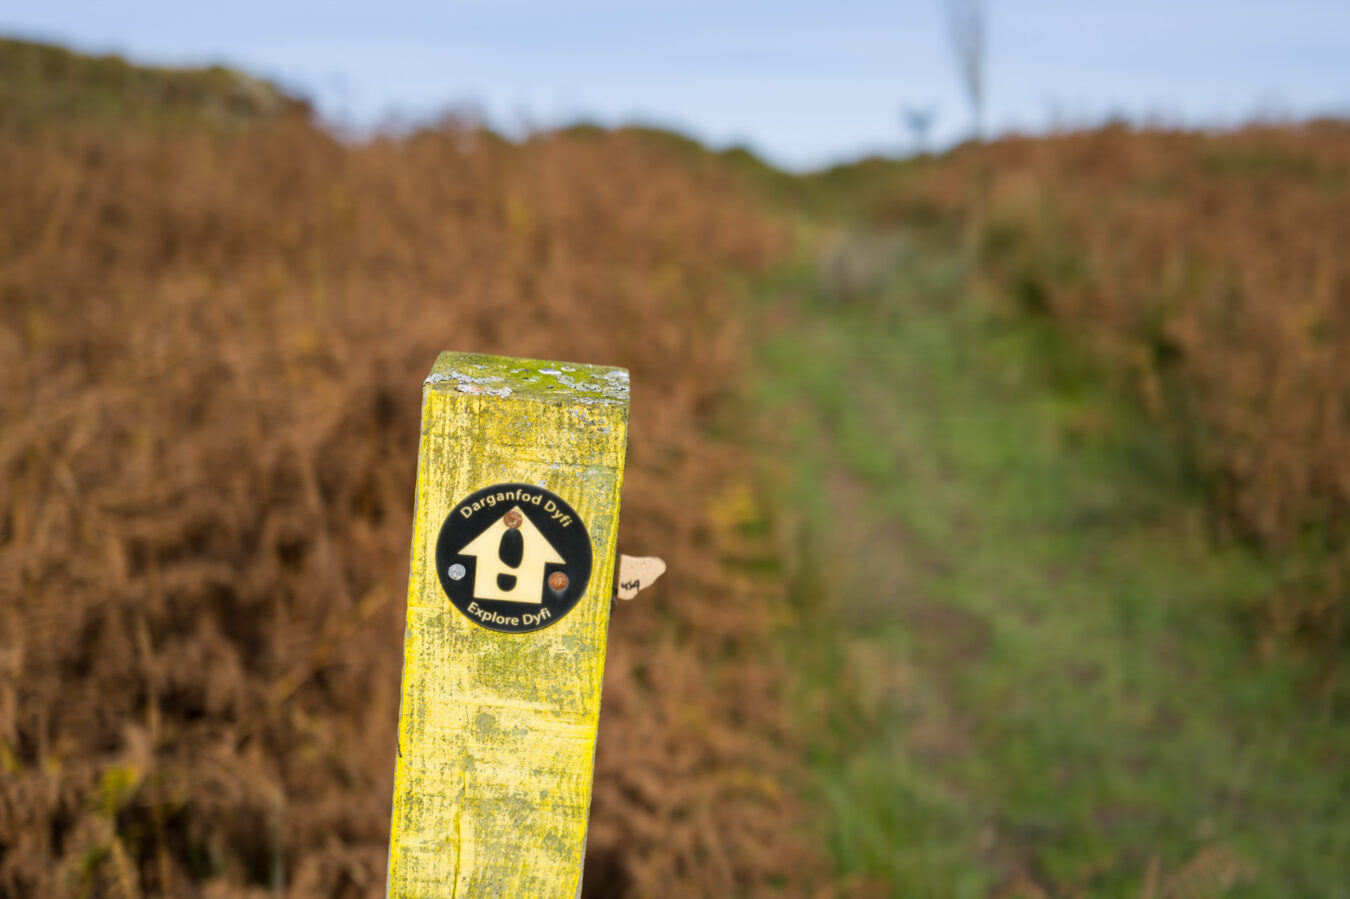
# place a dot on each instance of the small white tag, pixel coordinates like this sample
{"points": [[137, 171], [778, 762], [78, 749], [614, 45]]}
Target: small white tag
{"points": [[638, 573]]}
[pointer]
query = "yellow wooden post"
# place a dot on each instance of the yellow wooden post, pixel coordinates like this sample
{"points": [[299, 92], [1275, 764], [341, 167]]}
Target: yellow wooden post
{"points": [[518, 479]]}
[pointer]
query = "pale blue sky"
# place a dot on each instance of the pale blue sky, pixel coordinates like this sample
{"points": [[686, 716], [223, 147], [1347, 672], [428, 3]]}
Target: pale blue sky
{"points": [[803, 83]]}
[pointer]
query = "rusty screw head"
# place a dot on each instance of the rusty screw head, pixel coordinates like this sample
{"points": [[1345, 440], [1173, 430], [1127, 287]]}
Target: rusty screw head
{"points": [[512, 519], [557, 580]]}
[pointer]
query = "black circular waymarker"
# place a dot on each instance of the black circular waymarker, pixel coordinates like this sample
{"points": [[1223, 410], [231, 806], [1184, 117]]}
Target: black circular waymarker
{"points": [[513, 557]]}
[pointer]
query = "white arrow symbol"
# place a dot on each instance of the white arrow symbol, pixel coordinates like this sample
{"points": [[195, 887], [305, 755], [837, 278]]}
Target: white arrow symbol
{"points": [[527, 578]]}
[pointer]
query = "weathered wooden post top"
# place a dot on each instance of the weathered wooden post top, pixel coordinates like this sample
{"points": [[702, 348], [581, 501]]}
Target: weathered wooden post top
{"points": [[518, 482]]}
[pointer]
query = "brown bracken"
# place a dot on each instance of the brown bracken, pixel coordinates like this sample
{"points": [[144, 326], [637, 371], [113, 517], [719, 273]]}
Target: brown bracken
{"points": [[214, 346]]}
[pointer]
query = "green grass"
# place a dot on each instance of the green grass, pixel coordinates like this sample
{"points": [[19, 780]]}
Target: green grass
{"points": [[1022, 654]]}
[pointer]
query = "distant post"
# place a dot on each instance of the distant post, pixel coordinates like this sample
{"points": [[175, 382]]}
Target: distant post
{"points": [[518, 479]]}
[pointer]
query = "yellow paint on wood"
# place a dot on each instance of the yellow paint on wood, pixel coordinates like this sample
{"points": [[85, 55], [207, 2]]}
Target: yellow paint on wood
{"points": [[492, 786]]}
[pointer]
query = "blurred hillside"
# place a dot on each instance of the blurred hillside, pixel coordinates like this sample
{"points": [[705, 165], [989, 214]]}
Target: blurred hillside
{"points": [[1205, 275], [214, 342], [40, 83], [1091, 381]]}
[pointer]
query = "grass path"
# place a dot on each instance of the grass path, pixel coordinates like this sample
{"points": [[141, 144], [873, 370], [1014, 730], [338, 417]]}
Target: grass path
{"points": [[1025, 668]]}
